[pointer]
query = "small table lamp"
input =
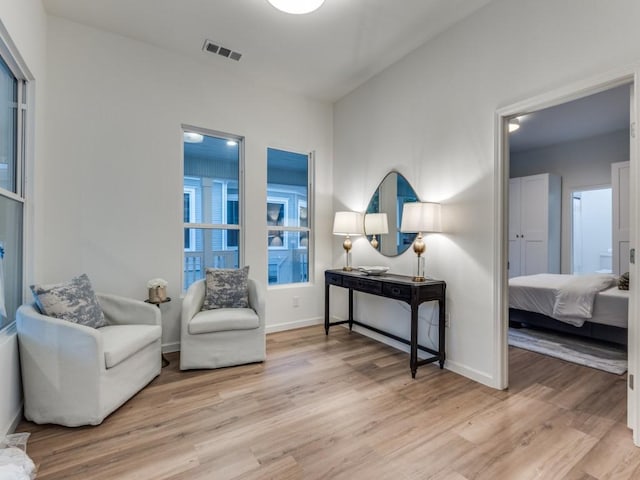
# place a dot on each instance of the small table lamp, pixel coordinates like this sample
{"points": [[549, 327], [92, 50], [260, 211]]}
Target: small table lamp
{"points": [[420, 217], [347, 223], [375, 224]]}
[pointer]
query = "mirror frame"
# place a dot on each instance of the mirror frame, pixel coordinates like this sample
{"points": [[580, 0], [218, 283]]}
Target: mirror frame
{"points": [[406, 238]]}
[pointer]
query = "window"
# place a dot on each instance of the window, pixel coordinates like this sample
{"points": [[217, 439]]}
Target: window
{"points": [[211, 202], [12, 113], [288, 216]]}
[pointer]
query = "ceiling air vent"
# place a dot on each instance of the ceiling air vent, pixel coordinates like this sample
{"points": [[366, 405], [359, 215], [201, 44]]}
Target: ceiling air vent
{"points": [[211, 47]]}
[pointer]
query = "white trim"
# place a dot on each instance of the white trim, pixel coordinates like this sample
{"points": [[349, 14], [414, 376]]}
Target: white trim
{"points": [[579, 89], [281, 327]]}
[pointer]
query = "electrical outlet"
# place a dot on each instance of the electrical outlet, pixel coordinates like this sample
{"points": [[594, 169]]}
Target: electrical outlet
{"points": [[447, 320], [296, 302]]}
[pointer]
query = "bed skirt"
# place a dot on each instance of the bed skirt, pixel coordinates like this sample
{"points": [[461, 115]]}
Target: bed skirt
{"points": [[597, 331]]}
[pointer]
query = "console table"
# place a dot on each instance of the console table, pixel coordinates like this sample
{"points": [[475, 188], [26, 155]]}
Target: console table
{"points": [[397, 287]]}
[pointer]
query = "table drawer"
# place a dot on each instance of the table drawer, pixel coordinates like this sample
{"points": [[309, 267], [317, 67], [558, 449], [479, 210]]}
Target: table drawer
{"points": [[362, 285], [333, 279], [399, 292]]}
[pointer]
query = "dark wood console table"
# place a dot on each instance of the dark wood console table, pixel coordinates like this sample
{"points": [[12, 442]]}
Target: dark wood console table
{"points": [[397, 287]]}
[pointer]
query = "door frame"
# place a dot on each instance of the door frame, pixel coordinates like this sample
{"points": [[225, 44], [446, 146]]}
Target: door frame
{"points": [[628, 75]]}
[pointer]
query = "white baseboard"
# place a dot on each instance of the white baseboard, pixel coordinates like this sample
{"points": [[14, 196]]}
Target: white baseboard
{"points": [[280, 327], [16, 420], [170, 347]]}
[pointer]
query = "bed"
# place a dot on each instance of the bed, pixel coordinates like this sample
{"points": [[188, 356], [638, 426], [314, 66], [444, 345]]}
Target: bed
{"points": [[587, 305]]}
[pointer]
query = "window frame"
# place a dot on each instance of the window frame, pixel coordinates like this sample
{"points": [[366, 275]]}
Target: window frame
{"points": [[23, 153], [296, 229], [224, 227]]}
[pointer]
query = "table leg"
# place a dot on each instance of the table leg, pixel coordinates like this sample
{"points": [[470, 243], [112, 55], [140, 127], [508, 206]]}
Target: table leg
{"points": [[350, 309], [413, 359], [441, 330], [326, 308]]}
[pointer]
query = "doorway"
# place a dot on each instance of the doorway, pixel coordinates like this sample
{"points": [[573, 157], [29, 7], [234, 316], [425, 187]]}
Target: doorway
{"points": [[591, 231], [520, 110]]}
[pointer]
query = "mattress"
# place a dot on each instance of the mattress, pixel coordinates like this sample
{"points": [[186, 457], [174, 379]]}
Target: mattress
{"points": [[537, 293]]}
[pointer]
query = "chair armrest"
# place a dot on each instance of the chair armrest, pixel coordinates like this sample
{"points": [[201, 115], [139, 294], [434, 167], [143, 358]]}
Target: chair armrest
{"points": [[61, 346], [128, 311], [192, 303], [257, 299]]}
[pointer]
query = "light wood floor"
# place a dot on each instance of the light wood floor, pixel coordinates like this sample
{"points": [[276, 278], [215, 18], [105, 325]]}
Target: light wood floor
{"points": [[345, 407]]}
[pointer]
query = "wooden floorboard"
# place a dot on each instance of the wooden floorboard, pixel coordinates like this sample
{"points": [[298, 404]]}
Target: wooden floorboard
{"points": [[346, 407]]}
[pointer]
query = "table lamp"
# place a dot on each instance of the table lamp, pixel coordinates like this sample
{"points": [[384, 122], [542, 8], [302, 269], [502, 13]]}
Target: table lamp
{"points": [[420, 217], [347, 223], [375, 224]]}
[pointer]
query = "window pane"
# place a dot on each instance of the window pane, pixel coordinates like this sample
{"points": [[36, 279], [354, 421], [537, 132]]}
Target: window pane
{"points": [[11, 245], [287, 210], [289, 264], [8, 128], [211, 197], [216, 255]]}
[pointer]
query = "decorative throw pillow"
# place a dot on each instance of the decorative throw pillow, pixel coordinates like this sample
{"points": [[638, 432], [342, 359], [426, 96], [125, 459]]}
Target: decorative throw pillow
{"points": [[226, 288], [74, 301], [623, 281]]}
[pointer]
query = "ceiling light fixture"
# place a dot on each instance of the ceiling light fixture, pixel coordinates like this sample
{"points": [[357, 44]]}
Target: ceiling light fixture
{"points": [[514, 124], [297, 7], [193, 137], [231, 143]]}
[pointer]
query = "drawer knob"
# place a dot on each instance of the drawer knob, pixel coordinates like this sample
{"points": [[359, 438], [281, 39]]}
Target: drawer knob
{"points": [[395, 291]]}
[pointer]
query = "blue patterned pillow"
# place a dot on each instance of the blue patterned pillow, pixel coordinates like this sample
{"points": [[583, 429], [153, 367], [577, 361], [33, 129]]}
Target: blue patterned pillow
{"points": [[226, 288], [74, 301]]}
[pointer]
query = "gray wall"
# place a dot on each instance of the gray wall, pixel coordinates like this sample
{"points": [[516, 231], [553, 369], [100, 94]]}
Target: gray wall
{"points": [[583, 163]]}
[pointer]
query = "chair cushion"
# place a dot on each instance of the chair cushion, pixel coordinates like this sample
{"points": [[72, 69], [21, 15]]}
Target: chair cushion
{"points": [[222, 319], [74, 301], [226, 288], [122, 341]]}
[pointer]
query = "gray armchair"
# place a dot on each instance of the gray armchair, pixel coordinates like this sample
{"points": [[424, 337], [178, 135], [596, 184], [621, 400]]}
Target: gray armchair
{"points": [[225, 336]]}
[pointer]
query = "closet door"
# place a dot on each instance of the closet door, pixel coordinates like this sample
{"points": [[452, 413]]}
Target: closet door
{"points": [[535, 224], [621, 217], [514, 228]]}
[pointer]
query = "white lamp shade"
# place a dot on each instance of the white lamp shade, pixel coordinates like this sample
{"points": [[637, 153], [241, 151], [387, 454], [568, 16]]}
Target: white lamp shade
{"points": [[297, 7], [348, 223], [376, 223], [420, 217]]}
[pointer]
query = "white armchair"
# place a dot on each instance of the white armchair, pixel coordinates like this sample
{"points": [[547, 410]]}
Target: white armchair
{"points": [[76, 375], [225, 336]]}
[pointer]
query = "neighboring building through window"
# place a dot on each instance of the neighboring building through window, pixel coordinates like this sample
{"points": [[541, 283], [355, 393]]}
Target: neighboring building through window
{"points": [[211, 202], [12, 113], [288, 216]]}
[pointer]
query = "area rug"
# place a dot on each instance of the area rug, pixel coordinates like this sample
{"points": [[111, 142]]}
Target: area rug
{"points": [[589, 353]]}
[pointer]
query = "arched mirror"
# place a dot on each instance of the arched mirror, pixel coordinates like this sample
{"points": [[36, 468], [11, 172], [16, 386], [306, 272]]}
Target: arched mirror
{"points": [[392, 193]]}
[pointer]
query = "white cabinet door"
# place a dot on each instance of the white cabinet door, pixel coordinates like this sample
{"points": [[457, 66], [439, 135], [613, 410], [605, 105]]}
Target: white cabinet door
{"points": [[514, 228], [534, 225], [621, 216]]}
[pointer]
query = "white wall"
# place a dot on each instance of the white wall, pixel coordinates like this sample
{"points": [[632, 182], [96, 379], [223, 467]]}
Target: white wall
{"points": [[431, 116], [25, 23], [114, 187], [583, 163]]}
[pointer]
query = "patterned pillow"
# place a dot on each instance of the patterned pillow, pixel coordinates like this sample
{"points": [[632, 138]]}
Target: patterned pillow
{"points": [[226, 288], [74, 301]]}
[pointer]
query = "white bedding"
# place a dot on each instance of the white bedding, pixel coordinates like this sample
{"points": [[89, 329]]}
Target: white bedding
{"points": [[539, 293]]}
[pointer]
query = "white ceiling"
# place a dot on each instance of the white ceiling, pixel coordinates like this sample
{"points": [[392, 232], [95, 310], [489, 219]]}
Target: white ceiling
{"points": [[324, 55], [596, 114]]}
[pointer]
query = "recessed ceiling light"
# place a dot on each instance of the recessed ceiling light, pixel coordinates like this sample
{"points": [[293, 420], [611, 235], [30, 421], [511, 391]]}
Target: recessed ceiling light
{"points": [[193, 137], [297, 7], [231, 143], [514, 124]]}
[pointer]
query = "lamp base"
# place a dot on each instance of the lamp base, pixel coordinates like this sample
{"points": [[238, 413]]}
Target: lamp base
{"points": [[419, 279], [347, 268]]}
